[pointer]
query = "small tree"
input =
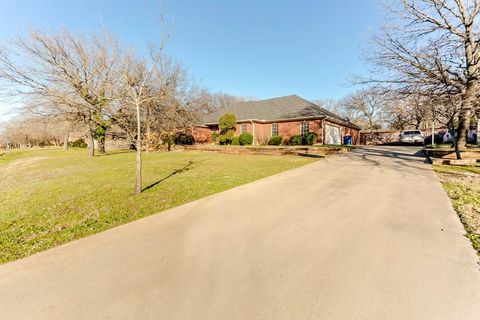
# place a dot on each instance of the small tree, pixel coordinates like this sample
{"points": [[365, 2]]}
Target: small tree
{"points": [[226, 124]]}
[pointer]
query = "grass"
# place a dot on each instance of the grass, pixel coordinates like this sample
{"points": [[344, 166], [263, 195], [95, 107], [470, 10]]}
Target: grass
{"points": [[52, 196], [463, 187]]}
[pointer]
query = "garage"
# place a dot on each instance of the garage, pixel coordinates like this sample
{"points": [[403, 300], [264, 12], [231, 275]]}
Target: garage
{"points": [[332, 134]]}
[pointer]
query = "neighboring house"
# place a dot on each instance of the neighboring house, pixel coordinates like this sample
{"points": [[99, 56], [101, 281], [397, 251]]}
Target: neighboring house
{"points": [[284, 116]]}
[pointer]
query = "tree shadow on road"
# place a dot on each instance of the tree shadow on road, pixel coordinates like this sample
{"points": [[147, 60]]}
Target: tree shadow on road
{"points": [[404, 158]]}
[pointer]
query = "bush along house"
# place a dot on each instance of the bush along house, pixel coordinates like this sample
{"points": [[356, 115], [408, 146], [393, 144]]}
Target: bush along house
{"points": [[283, 120]]}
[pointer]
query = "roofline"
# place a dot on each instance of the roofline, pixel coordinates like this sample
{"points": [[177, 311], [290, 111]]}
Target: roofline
{"points": [[343, 123], [271, 121]]}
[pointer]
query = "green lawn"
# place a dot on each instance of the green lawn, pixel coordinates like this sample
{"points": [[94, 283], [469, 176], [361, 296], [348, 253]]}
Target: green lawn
{"points": [[49, 197], [463, 187]]}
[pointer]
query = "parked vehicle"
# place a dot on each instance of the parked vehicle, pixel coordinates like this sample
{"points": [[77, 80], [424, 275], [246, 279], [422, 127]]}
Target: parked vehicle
{"points": [[411, 137], [471, 136], [448, 137]]}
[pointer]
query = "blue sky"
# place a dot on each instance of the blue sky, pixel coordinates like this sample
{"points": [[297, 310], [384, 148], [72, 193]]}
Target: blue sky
{"points": [[251, 48]]}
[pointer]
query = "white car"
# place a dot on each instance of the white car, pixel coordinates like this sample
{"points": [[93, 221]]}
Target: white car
{"points": [[411, 136]]}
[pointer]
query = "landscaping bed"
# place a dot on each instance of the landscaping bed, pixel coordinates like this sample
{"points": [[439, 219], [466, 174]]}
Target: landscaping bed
{"points": [[319, 150], [446, 155], [462, 185]]}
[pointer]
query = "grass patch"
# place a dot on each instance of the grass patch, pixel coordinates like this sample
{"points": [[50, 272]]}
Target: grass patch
{"points": [[463, 187], [53, 196]]}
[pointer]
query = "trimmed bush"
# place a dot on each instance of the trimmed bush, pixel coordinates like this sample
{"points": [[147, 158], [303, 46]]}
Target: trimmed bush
{"points": [[226, 138], [275, 141], [227, 122], [296, 141], [183, 138], [80, 143], [235, 141], [310, 138], [245, 138]]}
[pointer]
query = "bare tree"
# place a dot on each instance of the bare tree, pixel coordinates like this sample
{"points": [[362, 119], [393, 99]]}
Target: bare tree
{"points": [[365, 106], [60, 75], [134, 96], [413, 111], [431, 48], [34, 131]]}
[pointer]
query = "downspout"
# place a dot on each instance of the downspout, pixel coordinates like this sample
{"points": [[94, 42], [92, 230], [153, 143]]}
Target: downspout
{"points": [[253, 131], [323, 131]]}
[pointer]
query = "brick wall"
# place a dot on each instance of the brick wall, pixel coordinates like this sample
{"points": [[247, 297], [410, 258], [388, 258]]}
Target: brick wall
{"points": [[391, 136], [263, 131]]}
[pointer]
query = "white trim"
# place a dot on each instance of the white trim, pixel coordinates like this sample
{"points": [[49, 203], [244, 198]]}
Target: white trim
{"points": [[271, 129]]}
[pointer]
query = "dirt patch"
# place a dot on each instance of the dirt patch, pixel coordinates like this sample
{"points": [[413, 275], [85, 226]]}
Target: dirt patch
{"points": [[23, 163]]}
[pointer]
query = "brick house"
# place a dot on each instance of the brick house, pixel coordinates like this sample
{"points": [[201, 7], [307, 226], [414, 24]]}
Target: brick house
{"points": [[283, 116]]}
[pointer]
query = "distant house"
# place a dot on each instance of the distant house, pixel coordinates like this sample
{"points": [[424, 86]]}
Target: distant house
{"points": [[284, 116]]}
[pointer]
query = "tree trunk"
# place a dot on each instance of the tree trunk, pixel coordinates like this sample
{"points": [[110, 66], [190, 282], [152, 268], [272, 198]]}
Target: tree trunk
{"points": [[470, 95], [90, 143], [101, 145], [65, 141], [463, 126], [451, 128], [138, 176]]}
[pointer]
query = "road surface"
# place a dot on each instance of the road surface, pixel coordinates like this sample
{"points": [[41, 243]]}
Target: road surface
{"points": [[368, 235]]}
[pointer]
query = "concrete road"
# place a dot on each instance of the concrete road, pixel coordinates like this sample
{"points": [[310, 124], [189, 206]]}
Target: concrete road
{"points": [[369, 235]]}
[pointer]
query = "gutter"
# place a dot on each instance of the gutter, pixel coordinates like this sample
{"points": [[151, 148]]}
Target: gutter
{"points": [[271, 121]]}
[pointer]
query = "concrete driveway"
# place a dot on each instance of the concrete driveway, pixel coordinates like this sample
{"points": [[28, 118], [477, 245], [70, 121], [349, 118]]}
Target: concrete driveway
{"points": [[369, 235]]}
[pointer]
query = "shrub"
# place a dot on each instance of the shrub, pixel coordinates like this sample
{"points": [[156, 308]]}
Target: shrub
{"points": [[183, 138], [227, 122], [226, 138], [310, 138], [275, 141], [215, 136], [80, 143], [296, 141], [245, 138], [235, 141]]}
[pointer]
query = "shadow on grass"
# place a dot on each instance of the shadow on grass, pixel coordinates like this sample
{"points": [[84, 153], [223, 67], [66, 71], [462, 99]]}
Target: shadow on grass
{"points": [[113, 153], [182, 169]]}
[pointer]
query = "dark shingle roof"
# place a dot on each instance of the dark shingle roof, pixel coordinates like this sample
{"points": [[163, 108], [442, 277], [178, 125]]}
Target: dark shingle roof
{"points": [[289, 107]]}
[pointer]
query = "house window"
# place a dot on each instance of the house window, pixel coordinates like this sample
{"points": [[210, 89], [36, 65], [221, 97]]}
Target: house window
{"points": [[244, 128], [274, 129], [304, 128]]}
